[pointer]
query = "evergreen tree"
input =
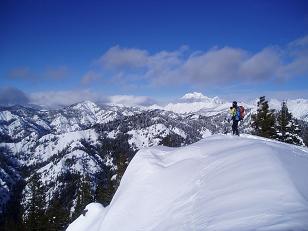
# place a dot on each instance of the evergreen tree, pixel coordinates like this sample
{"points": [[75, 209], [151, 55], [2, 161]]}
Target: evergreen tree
{"points": [[288, 127], [263, 121], [13, 212], [105, 188], [36, 218], [121, 163], [305, 136], [295, 133], [84, 196], [283, 121], [58, 215], [172, 140]]}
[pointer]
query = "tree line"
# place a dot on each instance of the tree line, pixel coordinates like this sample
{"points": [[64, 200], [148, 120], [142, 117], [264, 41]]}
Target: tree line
{"points": [[281, 125]]}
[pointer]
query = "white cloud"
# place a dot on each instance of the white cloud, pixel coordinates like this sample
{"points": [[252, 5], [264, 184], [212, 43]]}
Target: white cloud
{"points": [[117, 57], [298, 66], [212, 67], [261, 66], [300, 42], [48, 73], [297, 56], [89, 77], [130, 100], [61, 98], [21, 73], [219, 66], [56, 73], [54, 99]]}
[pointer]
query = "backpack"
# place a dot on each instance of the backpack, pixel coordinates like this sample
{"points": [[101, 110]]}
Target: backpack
{"points": [[242, 112]]}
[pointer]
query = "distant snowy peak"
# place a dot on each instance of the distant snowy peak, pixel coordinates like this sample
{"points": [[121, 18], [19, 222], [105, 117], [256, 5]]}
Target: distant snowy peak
{"points": [[195, 102], [199, 97], [86, 106], [198, 103], [194, 96]]}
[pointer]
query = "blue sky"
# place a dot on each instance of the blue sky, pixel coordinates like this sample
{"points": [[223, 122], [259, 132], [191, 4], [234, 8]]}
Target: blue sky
{"points": [[159, 49]]}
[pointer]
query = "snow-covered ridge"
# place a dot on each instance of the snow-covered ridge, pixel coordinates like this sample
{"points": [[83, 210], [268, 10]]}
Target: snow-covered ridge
{"points": [[219, 183], [198, 103], [195, 102]]}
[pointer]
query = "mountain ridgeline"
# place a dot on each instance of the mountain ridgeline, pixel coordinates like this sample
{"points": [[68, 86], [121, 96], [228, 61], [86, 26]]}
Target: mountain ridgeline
{"points": [[54, 162]]}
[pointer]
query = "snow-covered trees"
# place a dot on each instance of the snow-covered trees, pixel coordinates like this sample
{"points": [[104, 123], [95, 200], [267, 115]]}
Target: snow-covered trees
{"points": [[283, 121], [287, 127], [263, 122], [276, 125], [172, 140]]}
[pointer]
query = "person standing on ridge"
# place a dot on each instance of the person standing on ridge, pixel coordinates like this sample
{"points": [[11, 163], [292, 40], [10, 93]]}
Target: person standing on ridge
{"points": [[236, 117]]}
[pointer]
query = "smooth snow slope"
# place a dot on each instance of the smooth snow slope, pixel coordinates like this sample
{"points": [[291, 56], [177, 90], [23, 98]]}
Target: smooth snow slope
{"points": [[219, 183]]}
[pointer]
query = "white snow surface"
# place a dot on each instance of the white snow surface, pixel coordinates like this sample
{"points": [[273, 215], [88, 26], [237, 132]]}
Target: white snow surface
{"points": [[89, 222], [7, 116], [219, 183]]}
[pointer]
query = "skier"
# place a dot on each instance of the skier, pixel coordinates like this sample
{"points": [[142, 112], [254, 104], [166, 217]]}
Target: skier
{"points": [[235, 116]]}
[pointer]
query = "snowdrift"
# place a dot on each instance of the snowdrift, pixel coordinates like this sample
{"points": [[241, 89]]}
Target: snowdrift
{"points": [[219, 183]]}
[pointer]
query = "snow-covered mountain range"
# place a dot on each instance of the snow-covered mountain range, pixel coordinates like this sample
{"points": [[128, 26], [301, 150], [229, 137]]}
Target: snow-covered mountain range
{"points": [[86, 140], [198, 103]]}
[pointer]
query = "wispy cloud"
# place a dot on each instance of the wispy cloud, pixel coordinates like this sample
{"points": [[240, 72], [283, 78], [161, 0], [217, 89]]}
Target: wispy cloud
{"points": [[49, 73], [54, 99], [62, 98], [300, 42], [260, 66], [56, 73], [131, 100], [89, 77], [21, 73], [248, 95], [217, 66], [117, 57]]}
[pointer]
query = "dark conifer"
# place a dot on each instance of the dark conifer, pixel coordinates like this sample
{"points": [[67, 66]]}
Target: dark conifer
{"points": [[263, 121], [121, 163], [36, 218], [58, 215], [104, 193], [84, 196], [305, 136]]}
